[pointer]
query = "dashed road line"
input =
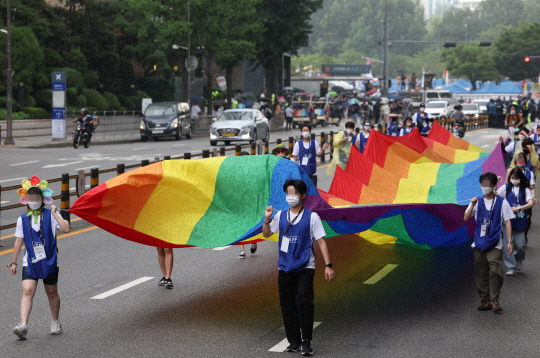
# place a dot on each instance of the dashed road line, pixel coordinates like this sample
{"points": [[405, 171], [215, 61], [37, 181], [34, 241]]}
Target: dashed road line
{"points": [[282, 346], [124, 287], [380, 275], [60, 165], [23, 163], [221, 248], [5, 180]]}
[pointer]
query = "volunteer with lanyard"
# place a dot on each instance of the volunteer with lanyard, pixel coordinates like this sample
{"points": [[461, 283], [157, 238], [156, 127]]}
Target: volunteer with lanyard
{"points": [[36, 229], [519, 196], [363, 137], [536, 138], [492, 215], [408, 127], [299, 228], [422, 120], [306, 151]]}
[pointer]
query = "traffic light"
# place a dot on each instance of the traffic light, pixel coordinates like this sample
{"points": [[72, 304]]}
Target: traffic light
{"points": [[527, 59]]}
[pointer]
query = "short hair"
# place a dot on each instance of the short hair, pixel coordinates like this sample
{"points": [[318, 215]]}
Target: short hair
{"points": [[527, 141], [349, 125], [305, 125], [489, 176], [298, 184], [35, 190], [408, 119], [521, 155]]}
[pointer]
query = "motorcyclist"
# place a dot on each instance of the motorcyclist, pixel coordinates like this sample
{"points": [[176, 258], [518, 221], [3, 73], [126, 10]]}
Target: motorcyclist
{"points": [[86, 121], [458, 118]]}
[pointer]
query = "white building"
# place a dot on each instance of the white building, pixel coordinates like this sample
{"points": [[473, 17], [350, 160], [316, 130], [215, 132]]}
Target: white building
{"points": [[438, 7]]}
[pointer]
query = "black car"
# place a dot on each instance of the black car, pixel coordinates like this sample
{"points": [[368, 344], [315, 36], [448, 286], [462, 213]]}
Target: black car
{"points": [[166, 119]]}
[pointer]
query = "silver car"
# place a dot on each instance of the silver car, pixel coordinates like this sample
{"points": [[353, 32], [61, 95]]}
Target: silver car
{"points": [[239, 125]]}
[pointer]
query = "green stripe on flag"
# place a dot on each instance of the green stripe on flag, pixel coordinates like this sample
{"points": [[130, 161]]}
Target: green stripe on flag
{"points": [[445, 190]]}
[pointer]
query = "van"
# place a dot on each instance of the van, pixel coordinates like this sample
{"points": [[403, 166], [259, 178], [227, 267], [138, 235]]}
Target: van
{"points": [[437, 95], [166, 119]]}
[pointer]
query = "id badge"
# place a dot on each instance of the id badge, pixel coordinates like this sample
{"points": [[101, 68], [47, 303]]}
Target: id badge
{"points": [[39, 251], [483, 230], [285, 244], [424, 123], [305, 160]]}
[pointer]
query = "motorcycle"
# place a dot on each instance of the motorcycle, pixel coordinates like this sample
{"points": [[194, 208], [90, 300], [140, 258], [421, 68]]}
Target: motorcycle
{"points": [[81, 136], [459, 130]]}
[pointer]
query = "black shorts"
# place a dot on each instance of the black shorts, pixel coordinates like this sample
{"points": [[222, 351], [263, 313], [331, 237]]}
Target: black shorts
{"points": [[52, 279]]}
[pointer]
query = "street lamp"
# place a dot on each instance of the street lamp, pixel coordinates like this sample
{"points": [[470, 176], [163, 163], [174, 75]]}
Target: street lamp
{"points": [[9, 80]]}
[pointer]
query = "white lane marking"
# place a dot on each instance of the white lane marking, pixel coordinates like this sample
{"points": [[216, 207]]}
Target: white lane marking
{"points": [[5, 201], [92, 167], [30, 162], [145, 148], [5, 180], [221, 248], [74, 188], [486, 146], [121, 288], [282, 346], [61, 165], [179, 145], [380, 275]]}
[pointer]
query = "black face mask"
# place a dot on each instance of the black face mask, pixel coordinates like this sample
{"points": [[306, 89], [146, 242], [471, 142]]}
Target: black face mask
{"points": [[526, 151]]}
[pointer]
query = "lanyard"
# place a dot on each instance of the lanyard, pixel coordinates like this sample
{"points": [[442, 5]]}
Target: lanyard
{"points": [[292, 222], [40, 228], [490, 213]]}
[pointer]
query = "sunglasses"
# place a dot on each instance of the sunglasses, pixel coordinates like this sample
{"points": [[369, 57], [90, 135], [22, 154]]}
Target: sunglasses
{"points": [[281, 151]]}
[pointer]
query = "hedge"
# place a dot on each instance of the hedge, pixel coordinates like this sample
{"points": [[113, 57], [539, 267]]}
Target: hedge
{"points": [[36, 113], [95, 99], [114, 102]]}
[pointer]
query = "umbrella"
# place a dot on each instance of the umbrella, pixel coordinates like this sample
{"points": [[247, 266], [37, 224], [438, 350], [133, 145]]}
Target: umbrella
{"points": [[196, 99], [248, 104], [220, 102], [407, 100], [353, 101], [393, 96], [332, 93]]}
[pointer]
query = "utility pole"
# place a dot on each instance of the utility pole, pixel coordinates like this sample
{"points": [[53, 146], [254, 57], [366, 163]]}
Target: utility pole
{"points": [[381, 49], [9, 81], [189, 54], [386, 87]]}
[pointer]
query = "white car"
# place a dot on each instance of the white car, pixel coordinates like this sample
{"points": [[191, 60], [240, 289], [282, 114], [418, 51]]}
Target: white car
{"points": [[482, 105], [245, 124], [470, 109], [438, 108]]}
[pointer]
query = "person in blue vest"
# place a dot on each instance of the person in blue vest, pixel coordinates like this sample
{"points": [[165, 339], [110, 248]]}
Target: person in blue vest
{"points": [[521, 162], [536, 138], [394, 127], [299, 229], [422, 120], [362, 139], [37, 230], [408, 128], [492, 215], [519, 196], [306, 151]]}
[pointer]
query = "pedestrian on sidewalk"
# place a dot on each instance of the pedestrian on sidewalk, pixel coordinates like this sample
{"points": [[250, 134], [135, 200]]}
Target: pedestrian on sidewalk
{"points": [[37, 230], [289, 114], [298, 228], [492, 215]]}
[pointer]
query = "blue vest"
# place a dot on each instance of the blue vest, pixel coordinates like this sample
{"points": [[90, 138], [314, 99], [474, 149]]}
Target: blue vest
{"points": [[493, 221], [518, 224], [311, 167], [424, 128], [48, 266], [300, 242], [393, 129], [354, 138], [363, 142]]}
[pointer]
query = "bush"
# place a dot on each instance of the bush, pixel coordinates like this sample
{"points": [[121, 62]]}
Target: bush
{"points": [[15, 106], [52, 58], [80, 101], [44, 99], [95, 99], [29, 101], [36, 113], [142, 94], [14, 115], [113, 101]]}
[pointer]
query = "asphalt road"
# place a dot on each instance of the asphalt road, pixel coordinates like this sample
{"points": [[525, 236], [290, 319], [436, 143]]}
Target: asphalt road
{"points": [[425, 305]]}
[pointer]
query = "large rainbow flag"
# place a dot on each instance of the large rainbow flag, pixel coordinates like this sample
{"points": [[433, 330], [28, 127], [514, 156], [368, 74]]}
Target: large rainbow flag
{"points": [[400, 190]]}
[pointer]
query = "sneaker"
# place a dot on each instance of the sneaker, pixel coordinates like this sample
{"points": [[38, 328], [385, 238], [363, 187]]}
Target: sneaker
{"points": [[519, 265], [20, 331], [306, 348], [242, 255], [168, 283], [510, 273], [56, 328], [293, 347], [497, 306], [253, 248], [485, 305], [162, 282]]}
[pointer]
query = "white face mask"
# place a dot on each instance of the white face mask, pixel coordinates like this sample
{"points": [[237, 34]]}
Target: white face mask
{"points": [[512, 112], [515, 181], [34, 205], [422, 109], [487, 190], [366, 128], [305, 134], [349, 130], [292, 200], [521, 137]]}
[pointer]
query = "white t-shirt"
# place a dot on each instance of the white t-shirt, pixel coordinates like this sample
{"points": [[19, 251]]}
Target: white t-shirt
{"points": [[515, 189], [506, 214], [510, 147], [296, 150], [36, 226], [195, 110], [315, 226], [289, 112]]}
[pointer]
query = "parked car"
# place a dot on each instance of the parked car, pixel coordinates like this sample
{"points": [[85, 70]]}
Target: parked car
{"points": [[239, 125], [482, 105], [471, 109], [439, 108], [166, 119]]}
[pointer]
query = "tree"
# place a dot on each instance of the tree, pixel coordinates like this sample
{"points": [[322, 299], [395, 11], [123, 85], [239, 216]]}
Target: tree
{"points": [[472, 62], [513, 46]]}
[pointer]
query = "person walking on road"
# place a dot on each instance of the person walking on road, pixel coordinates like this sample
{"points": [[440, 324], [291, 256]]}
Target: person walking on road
{"points": [[166, 260], [306, 151], [492, 215], [289, 114], [298, 228], [343, 142], [513, 119], [37, 230]]}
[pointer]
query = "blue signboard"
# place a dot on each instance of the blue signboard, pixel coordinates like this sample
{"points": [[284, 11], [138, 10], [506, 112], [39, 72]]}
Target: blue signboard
{"points": [[346, 70], [58, 113], [58, 86], [58, 81]]}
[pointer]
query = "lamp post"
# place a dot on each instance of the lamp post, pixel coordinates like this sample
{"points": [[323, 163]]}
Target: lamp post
{"points": [[9, 80], [189, 54]]}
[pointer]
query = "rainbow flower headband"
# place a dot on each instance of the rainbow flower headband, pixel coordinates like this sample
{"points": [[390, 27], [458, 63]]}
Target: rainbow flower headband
{"points": [[35, 182]]}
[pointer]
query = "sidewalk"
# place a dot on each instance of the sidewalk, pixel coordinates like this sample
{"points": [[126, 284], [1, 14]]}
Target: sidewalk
{"points": [[37, 142]]}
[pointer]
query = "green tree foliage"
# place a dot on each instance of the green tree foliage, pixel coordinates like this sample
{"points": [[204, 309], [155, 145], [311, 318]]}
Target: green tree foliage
{"points": [[471, 62], [513, 46]]}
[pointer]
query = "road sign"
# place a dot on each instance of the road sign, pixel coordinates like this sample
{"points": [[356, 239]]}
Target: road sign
{"points": [[58, 113], [346, 70], [81, 183], [58, 128], [192, 64], [58, 86]]}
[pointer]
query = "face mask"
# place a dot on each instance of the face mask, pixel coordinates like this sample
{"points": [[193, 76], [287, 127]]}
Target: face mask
{"points": [[305, 134], [34, 205], [521, 137], [512, 112], [515, 181], [538, 132], [486, 190], [422, 109], [366, 128], [408, 124], [292, 200], [349, 131]]}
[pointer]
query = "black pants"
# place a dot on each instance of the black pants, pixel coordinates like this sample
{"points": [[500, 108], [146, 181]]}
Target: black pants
{"points": [[289, 122], [314, 179], [296, 298]]}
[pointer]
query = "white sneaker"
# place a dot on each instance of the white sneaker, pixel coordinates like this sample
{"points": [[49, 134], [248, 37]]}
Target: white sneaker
{"points": [[510, 273], [56, 328], [242, 255], [519, 265], [20, 331]]}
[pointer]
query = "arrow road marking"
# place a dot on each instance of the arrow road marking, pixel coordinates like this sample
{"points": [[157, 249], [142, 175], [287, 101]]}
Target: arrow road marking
{"points": [[121, 288]]}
